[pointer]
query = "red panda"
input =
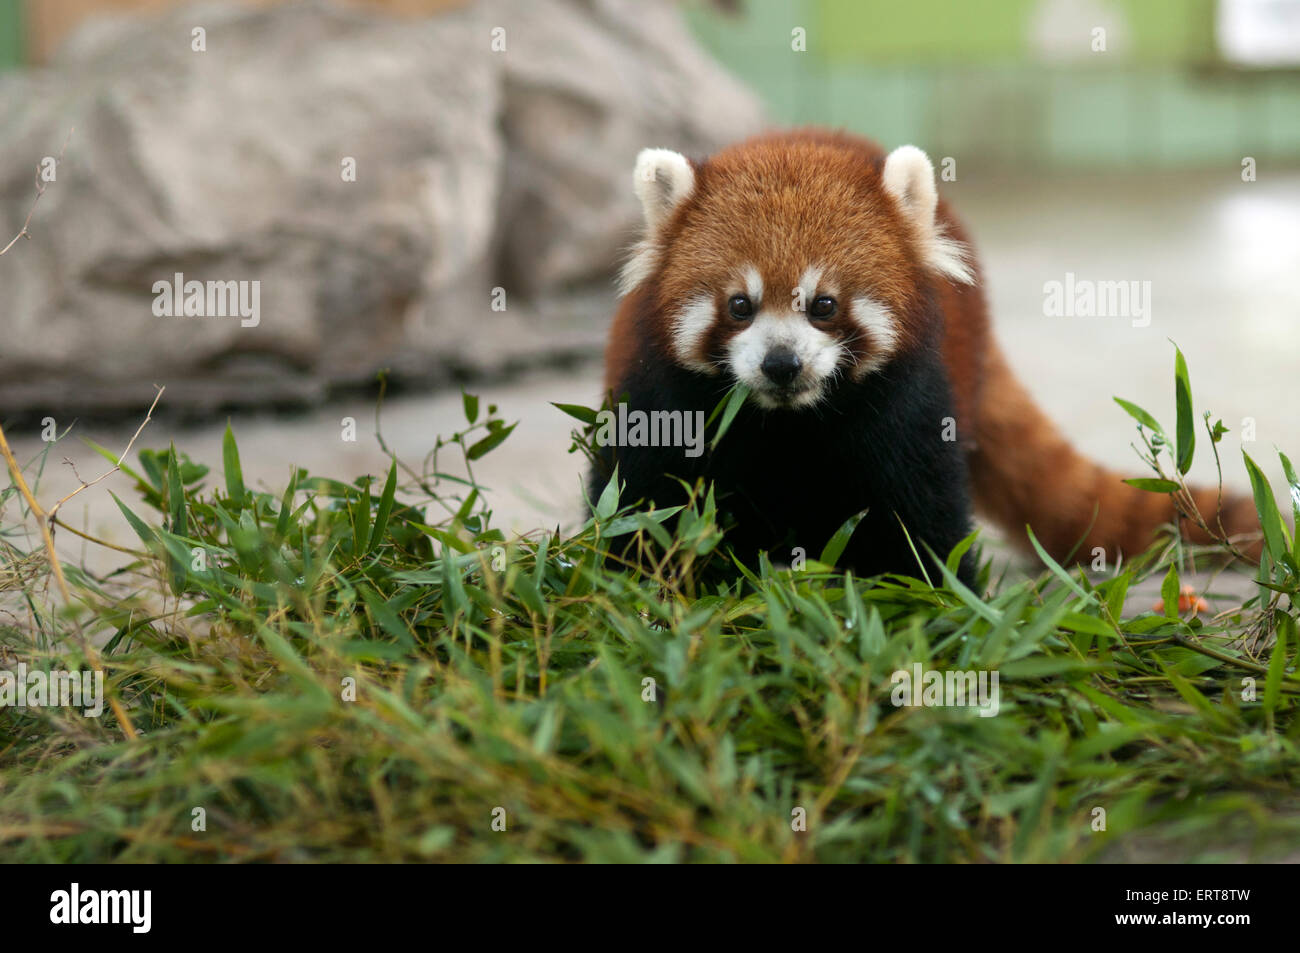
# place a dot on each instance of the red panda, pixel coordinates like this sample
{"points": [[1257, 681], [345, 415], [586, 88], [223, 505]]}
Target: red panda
{"points": [[829, 279]]}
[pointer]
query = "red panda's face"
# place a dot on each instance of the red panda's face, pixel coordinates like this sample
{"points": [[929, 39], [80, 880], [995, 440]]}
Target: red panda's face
{"points": [[787, 338], [787, 267]]}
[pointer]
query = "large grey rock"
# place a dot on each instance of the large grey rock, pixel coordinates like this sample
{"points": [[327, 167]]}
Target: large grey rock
{"points": [[476, 169]]}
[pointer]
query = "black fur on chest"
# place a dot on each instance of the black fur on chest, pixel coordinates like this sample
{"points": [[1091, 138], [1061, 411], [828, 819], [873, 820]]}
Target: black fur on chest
{"points": [[787, 479]]}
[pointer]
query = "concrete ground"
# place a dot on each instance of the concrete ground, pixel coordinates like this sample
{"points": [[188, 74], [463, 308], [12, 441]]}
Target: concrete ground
{"points": [[1221, 257]]}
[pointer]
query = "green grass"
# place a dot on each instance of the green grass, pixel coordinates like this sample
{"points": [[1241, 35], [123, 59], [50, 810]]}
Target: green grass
{"points": [[688, 713]]}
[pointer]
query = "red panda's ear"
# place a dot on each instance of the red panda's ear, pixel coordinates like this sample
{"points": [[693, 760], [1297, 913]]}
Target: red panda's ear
{"points": [[662, 179], [909, 177]]}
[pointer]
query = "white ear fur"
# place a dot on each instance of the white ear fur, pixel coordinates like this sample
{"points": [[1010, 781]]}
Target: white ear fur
{"points": [[909, 177], [662, 179]]}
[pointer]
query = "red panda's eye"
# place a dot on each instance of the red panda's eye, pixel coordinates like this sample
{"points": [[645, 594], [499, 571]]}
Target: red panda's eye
{"points": [[822, 307], [741, 307]]}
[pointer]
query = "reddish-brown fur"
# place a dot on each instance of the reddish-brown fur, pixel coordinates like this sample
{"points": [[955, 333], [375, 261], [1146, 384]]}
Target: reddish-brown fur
{"points": [[782, 200]]}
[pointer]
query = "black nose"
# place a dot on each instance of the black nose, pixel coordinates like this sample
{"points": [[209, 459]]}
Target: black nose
{"points": [[781, 366]]}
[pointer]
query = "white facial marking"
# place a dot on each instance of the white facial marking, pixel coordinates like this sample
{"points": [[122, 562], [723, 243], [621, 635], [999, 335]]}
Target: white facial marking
{"points": [[819, 354], [753, 285], [807, 286], [689, 329], [882, 331]]}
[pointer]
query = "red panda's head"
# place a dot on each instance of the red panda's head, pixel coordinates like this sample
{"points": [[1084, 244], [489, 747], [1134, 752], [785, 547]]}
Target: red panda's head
{"points": [[788, 261]]}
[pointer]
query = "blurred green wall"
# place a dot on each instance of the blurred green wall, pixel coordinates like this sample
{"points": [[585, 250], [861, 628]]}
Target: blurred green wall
{"points": [[998, 81], [971, 79], [11, 48]]}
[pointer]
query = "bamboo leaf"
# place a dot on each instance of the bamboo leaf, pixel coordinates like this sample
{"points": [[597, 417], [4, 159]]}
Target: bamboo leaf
{"points": [[834, 547], [1186, 421], [1140, 415], [734, 400], [1153, 484], [1276, 669], [230, 463], [1266, 506], [497, 433], [384, 511], [1169, 590], [578, 412]]}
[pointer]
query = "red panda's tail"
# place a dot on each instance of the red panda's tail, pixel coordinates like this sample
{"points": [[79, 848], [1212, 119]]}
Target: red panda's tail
{"points": [[1024, 471]]}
